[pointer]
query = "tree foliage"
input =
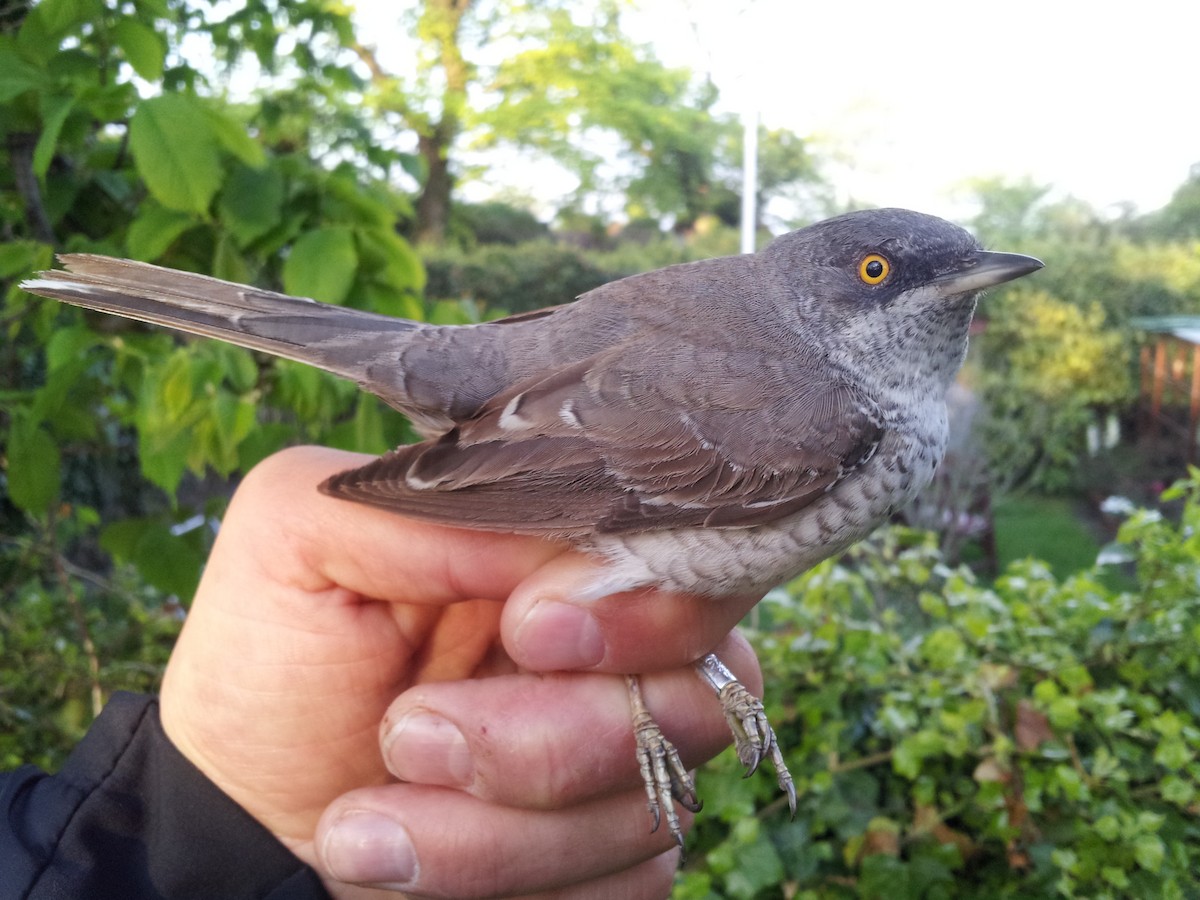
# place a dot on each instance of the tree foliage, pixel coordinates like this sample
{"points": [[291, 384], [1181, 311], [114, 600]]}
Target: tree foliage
{"points": [[1057, 354], [562, 80], [114, 142]]}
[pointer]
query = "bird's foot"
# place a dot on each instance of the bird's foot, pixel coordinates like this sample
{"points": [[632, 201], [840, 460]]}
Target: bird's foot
{"points": [[663, 773], [753, 737]]}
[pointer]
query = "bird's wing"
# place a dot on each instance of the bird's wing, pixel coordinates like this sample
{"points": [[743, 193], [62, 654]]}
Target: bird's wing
{"points": [[596, 446]]}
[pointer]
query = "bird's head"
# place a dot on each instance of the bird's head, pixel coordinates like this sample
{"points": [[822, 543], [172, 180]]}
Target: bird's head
{"points": [[893, 290]]}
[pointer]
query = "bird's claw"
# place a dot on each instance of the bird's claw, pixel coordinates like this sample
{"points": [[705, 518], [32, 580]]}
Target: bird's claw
{"points": [[754, 738], [665, 777]]}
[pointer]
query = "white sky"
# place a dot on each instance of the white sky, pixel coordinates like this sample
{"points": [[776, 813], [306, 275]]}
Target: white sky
{"points": [[1098, 99], [910, 99]]}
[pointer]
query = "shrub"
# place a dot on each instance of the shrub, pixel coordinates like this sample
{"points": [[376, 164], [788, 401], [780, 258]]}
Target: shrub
{"points": [[1035, 738], [495, 223], [1049, 370], [502, 279], [508, 280]]}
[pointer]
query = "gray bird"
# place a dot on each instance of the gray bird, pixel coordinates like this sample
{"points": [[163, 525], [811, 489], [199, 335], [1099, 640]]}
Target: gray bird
{"points": [[715, 427]]}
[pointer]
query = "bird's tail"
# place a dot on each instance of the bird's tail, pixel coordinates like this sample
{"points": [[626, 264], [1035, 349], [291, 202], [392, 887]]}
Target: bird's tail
{"points": [[292, 327]]}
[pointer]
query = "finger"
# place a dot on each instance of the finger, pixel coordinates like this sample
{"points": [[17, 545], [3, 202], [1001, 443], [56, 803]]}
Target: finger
{"points": [[547, 628], [651, 880], [313, 542], [438, 842], [543, 741]]}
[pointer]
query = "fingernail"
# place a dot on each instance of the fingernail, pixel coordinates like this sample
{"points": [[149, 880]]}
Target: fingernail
{"points": [[364, 847], [559, 636], [427, 749]]}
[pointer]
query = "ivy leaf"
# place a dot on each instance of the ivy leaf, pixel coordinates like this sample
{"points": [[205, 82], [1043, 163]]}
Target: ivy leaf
{"points": [[176, 151], [322, 265], [1149, 852]]}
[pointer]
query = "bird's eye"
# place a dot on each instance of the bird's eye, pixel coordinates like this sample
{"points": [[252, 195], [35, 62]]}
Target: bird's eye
{"points": [[874, 268]]}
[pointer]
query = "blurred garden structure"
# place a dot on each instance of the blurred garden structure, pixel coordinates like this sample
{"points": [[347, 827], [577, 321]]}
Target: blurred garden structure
{"points": [[1169, 396]]}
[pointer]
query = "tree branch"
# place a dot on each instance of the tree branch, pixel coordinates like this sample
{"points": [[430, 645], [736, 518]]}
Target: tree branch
{"points": [[20, 149]]}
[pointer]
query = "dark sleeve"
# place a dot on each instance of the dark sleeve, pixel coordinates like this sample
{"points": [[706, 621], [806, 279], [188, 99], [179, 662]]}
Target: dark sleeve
{"points": [[128, 816]]}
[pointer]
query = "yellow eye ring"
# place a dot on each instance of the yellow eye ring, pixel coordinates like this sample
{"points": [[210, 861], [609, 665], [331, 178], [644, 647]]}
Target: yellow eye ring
{"points": [[874, 268]]}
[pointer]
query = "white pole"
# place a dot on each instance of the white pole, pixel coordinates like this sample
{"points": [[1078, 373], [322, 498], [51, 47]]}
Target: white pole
{"points": [[749, 179]]}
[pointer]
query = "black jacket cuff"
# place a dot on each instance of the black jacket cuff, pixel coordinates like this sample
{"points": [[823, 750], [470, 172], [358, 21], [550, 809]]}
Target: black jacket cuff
{"points": [[129, 816]]}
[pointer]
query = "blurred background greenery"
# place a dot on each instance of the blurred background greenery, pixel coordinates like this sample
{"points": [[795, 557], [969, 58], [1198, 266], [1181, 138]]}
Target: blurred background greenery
{"points": [[962, 721]]}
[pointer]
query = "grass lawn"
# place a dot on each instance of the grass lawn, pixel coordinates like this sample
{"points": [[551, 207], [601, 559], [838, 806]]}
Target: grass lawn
{"points": [[1048, 528]]}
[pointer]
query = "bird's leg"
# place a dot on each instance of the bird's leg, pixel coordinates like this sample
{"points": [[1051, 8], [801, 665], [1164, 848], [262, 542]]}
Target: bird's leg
{"points": [[753, 736], [663, 772]]}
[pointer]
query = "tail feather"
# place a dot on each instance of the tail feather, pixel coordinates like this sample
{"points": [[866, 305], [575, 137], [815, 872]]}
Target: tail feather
{"points": [[291, 327]]}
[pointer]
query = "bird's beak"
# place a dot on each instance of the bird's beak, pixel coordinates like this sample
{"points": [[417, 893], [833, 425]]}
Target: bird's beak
{"points": [[985, 269]]}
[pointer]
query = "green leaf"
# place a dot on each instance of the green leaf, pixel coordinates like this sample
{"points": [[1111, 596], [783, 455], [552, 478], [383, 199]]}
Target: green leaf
{"points": [[20, 257], [1177, 790], [169, 562], [251, 202], [168, 410], [237, 366], [400, 264], [913, 750], [1149, 852], [322, 265], [1063, 713], [1075, 678], [16, 75], [55, 109], [233, 420], [1114, 876], [144, 49], [120, 538], [1172, 753], [362, 433], [33, 466], [58, 16], [393, 302], [155, 229], [176, 152], [265, 439], [758, 866], [232, 135], [176, 388], [1107, 827], [943, 648], [67, 345], [152, 8], [228, 262]]}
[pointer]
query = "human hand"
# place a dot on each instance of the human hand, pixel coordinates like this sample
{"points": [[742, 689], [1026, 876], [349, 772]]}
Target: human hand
{"points": [[317, 618]]}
